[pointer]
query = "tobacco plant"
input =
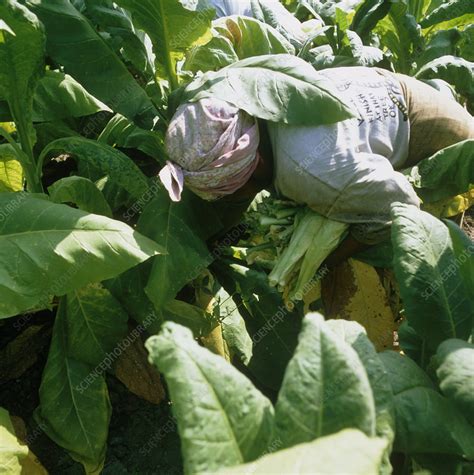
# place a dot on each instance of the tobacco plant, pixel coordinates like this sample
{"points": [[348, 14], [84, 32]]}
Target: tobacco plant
{"points": [[87, 88]]}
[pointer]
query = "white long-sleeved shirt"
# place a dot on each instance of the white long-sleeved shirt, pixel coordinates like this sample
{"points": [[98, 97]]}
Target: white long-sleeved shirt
{"points": [[347, 171], [231, 7]]}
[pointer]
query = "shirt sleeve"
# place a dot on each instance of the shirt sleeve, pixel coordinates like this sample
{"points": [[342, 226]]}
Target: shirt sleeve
{"points": [[366, 200], [324, 168]]}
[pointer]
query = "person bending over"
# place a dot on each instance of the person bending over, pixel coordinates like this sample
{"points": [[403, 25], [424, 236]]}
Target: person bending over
{"points": [[347, 171]]}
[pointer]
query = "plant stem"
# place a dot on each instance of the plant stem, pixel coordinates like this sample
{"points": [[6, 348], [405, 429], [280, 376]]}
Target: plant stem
{"points": [[26, 157], [33, 183], [172, 76]]}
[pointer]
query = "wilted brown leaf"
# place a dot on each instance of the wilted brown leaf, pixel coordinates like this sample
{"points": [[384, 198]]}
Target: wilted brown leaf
{"points": [[392, 290], [137, 374], [215, 342], [353, 291], [21, 353], [312, 296], [204, 295]]}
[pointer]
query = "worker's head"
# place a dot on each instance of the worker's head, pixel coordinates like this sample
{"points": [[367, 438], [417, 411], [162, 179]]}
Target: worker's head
{"points": [[212, 146]]}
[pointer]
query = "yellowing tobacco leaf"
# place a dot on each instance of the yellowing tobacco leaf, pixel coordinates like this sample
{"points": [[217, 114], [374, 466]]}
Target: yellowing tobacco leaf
{"points": [[451, 206], [15, 457], [134, 370], [11, 172], [311, 296], [8, 126], [22, 352], [353, 291]]}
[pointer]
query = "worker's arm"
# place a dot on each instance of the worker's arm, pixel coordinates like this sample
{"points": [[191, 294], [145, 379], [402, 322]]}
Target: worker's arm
{"points": [[365, 202]]}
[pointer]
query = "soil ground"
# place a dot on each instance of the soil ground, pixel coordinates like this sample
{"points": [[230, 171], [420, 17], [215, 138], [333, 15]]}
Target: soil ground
{"points": [[142, 437], [468, 223]]}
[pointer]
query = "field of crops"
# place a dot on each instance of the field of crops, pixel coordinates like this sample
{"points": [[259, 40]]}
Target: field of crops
{"points": [[147, 336]]}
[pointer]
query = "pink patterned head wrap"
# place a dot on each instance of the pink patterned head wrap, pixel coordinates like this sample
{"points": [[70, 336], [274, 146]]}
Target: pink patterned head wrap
{"points": [[213, 149]]}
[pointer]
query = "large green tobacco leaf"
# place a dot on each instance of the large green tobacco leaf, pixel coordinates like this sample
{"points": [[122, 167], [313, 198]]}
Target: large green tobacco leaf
{"points": [[426, 422], [235, 38], [447, 173], [120, 132], [437, 302], [379, 255], [73, 42], [273, 329], [47, 132], [466, 46], [250, 37], [216, 54], [355, 335], [413, 344], [347, 452], [171, 27], [462, 23], [455, 359], [59, 96], [454, 70], [121, 34], [21, 60], [74, 406], [223, 420], [464, 249], [50, 249], [276, 15], [104, 160], [11, 173], [362, 55], [404, 373], [129, 289], [190, 316], [327, 9], [279, 88], [368, 14], [400, 34], [325, 388], [442, 43], [181, 229], [429, 423], [96, 322], [448, 11], [82, 192], [234, 330]]}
